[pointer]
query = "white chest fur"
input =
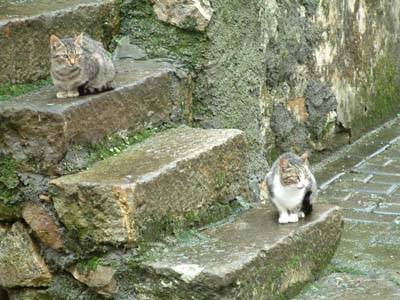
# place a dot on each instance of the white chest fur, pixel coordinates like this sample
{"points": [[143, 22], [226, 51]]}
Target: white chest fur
{"points": [[289, 197]]}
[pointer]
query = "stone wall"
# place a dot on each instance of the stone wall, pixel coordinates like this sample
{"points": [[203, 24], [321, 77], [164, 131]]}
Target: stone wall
{"points": [[357, 57], [304, 75]]}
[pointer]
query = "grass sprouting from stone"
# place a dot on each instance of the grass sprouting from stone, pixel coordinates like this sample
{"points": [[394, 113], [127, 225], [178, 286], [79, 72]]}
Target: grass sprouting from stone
{"points": [[118, 143], [158, 229], [8, 178], [105, 148], [88, 265], [8, 91]]}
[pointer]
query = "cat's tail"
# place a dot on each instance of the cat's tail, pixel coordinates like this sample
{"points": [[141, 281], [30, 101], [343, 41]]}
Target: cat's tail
{"points": [[85, 90], [306, 205]]}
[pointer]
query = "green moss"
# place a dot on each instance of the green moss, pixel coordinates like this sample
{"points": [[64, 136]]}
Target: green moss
{"points": [[333, 268], [66, 288], [88, 265], [110, 19], [220, 180], [9, 180], [161, 39], [155, 229], [113, 145], [8, 91], [382, 91]]}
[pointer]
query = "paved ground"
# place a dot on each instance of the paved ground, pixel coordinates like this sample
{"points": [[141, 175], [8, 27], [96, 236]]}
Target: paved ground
{"points": [[365, 181]]}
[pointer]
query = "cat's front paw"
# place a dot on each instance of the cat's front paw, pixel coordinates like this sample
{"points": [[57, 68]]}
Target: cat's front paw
{"points": [[62, 95], [301, 214], [293, 218], [283, 219], [73, 94]]}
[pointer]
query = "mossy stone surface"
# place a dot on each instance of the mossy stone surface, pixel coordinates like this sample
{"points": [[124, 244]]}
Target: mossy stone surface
{"points": [[167, 176], [20, 262], [228, 63], [38, 129], [252, 257]]}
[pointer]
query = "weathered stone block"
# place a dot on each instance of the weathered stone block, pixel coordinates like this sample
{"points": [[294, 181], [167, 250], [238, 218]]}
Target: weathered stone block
{"points": [[9, 212], [29, 294], [20, 262], [38, 128], [252, 257], [25, 28], [176, 172], [44, 225], [192, 14], [101, 278]]}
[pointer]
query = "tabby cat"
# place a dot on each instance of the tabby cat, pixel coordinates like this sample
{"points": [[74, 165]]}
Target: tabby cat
{"points": [[80, 65], [292, 187]]}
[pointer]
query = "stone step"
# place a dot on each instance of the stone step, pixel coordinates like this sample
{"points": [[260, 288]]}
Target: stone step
{"points": [[175, 173], [252, 257], [39, 128], [25, 28]]}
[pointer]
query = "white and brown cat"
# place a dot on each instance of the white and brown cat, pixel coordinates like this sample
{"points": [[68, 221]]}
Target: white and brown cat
{"points": [[292, 187], [80, 64]]}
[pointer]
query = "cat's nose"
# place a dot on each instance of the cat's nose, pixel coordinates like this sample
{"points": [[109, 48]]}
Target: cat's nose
{"points": [[72, 61]]}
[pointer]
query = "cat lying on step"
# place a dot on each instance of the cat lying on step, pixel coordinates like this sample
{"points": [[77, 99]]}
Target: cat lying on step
{"points": [[80, 65], [291, 187]]}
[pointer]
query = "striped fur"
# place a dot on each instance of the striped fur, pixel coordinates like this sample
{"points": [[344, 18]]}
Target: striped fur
{"points": [[80, 66], [292, 187]]}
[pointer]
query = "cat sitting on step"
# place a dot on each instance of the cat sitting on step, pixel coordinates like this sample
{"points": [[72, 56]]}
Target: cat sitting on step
{"points": [[80, 65], [291, 187]]}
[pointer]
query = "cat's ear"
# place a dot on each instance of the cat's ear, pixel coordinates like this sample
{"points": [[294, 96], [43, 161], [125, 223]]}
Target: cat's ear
{"points": [[283, 163], [55, 42], [304, 156], [79, 40]]}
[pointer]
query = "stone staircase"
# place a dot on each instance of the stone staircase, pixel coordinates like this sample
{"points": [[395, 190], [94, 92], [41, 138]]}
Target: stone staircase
{"points": [[41, 128], [168, 218]]}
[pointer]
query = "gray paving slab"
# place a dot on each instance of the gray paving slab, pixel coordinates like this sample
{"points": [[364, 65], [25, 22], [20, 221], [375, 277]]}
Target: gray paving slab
{"points": [[367, 261]]}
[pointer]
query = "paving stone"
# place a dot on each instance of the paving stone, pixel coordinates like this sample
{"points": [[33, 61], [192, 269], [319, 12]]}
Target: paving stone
{"points": [[366, 148], [367, 216], [252, 257], [25, 28], [358, 177], [367, 260], [359, 201], [365, 252], [331, 195], [383, 160], [369, 187], [386, 179], [369, 247], [20, 262], [393, 152], [388, 209], [336, 167], [350, 287], [177, 171], [391, 169], [38, 128]]}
